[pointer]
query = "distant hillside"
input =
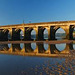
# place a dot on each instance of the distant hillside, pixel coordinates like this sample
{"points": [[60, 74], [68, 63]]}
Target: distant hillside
{"points": [[61, 34]]}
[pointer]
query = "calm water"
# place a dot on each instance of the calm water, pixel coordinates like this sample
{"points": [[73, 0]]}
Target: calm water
{"points": [[26, 65], [21, 65]]}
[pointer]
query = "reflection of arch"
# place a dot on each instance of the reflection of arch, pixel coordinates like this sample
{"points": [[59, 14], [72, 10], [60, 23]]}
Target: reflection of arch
{"points": [[29, 48], [16, 47], [9, 45], [46, 46], [60, 47], [21, 46], [73, 46], [55, 50], [4, 47], [33, 46], [43, 48]]}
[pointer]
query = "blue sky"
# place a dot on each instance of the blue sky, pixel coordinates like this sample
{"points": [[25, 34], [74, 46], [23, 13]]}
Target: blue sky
{"points": [[15, 11]]}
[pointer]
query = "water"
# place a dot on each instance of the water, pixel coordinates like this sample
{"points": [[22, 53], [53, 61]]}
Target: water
{"points": [[27, 65], [20, 65]]}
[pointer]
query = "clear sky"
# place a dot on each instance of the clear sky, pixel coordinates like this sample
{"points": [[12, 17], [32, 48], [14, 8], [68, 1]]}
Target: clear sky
{"points": [[14, 11]]}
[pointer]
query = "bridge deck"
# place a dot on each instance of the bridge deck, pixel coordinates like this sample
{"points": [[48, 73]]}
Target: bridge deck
{"points": [[49, 42]]}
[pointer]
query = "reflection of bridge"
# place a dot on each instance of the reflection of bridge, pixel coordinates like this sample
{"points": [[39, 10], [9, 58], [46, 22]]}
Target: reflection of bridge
{"points": [[14, 32]]}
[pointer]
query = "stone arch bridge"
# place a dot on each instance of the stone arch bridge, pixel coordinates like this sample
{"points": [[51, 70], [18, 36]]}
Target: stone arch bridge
{"points": [[14, 32]]}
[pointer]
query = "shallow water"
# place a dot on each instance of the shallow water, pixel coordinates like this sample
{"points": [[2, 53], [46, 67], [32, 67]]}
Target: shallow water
{"points": [[27, 65], [20, 65]]}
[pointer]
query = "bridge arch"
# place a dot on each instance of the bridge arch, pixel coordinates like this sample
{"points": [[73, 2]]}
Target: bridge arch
{"points": [[72, 36], [21, 35], [9, 35], [43, 33], [33, 34], [60, 34], [30, 33], [54, 29], [3, 34], [16, 34], [73, 33]]}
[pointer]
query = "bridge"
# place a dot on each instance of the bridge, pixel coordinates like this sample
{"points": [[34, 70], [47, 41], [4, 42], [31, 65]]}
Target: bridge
{"points": [[10, 34]]}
